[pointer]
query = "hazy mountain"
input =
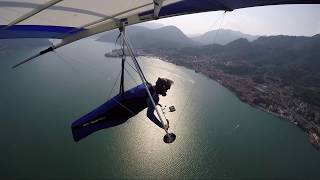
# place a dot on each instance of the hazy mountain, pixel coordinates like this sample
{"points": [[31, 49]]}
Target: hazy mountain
{"points": [[111, 36], [151, 25], [142, 37], [267, 49], [222, 36], [293, 59]]}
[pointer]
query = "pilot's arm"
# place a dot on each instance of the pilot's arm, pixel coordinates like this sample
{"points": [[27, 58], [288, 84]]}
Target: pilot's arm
{"points": [[151, 109]]}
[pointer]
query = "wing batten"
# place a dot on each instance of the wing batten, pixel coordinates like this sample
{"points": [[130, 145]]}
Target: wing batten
{"points": [[84, 19], [33, 12], [80, 14]]}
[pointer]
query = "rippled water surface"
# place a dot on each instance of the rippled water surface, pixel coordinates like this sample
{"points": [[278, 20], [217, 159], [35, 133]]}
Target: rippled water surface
{"points": [[218, 136]]}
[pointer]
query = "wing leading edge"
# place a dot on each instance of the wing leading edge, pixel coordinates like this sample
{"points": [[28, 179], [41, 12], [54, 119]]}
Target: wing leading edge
{"points": [[76, 19]]}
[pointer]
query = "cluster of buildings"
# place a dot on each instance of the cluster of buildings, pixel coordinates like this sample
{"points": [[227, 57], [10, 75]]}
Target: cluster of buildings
{"points": [[274, 98], [271, 95]]}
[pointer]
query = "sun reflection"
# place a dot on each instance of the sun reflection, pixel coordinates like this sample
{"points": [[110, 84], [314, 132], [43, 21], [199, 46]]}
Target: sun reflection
{"points": [[144, 140]]}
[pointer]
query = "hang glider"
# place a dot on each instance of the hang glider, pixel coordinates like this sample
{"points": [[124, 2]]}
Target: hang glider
{"points": [[72, 20]]}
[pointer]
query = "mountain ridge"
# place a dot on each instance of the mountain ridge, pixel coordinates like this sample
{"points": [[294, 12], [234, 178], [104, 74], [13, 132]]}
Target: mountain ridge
{"points": [[172, 37], [142, 37], [222, 36]]}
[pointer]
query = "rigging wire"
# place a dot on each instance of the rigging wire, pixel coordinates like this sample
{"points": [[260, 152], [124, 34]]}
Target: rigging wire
{"points": [[133, 79], [219, 26], [123, 56], [139, 117], [123, 51], [221, 19], [64, 58], [65, 61], [79, 60], [143, 78], [132, 67], [123, 60], [216, 33], [124, 106], [138, 66], [114, 84], [214, 23]]}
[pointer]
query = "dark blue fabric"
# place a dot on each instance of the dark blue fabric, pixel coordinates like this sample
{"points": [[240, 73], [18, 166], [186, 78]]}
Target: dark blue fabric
{"points": [[36, 31], [151, 109], [112, 113]]}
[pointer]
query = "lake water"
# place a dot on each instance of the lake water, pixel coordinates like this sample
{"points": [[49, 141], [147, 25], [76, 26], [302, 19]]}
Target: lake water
{"points": [[218, 136]]}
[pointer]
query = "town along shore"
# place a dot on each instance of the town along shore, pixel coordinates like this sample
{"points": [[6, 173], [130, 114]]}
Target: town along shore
{"points": [[270, 94]]}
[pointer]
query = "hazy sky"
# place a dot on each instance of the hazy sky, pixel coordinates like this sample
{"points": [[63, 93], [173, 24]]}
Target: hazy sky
{"points": [[267, 20]]}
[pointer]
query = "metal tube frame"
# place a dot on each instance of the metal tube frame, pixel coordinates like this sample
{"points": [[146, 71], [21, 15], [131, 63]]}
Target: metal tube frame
{"points": [[124, 37]]}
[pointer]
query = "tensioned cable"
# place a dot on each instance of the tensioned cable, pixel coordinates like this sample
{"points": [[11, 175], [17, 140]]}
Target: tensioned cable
{"points": [[217, 20], [133, 113], [143, 79], [115, 44], [125, 107], [128, 109], [114, 84], [131, 76], [65, 61], [72, 67], [82, 61], [219, 27], [123, 51], [122, 46], [136, 83], [132, 67], [130, 45], [189, 99]]}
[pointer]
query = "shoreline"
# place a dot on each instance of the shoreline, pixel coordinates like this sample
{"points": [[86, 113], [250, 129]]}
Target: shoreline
{"points": [[271, 98]]}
